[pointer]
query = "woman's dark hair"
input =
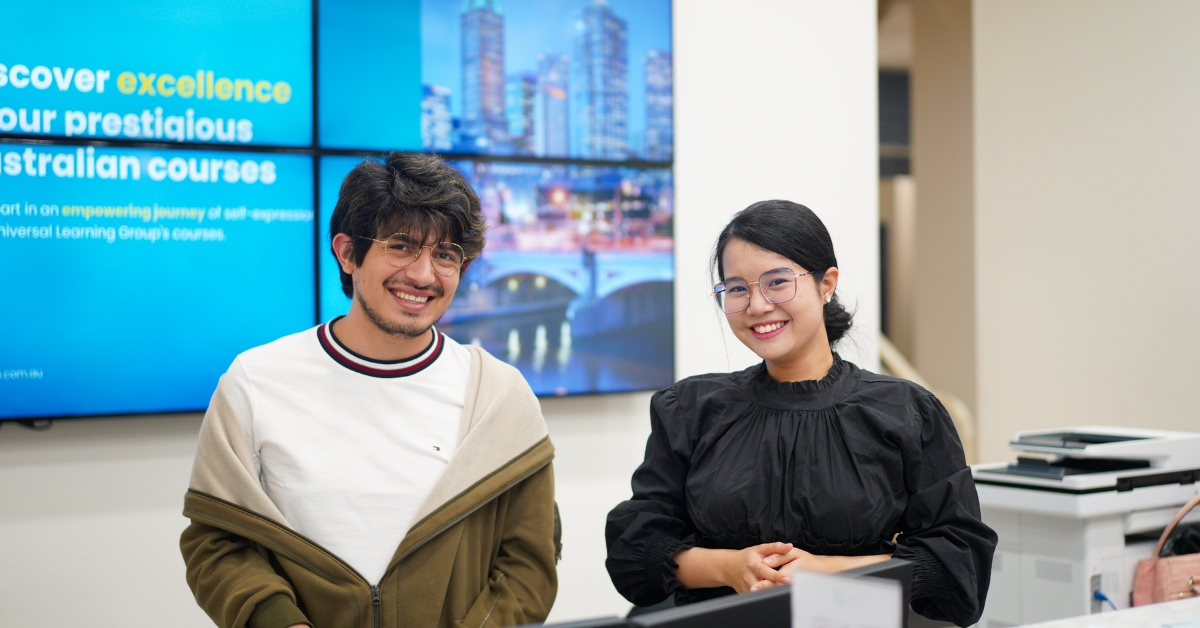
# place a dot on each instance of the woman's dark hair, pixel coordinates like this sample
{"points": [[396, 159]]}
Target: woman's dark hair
{"points": [[793, 231], [415, 193]]}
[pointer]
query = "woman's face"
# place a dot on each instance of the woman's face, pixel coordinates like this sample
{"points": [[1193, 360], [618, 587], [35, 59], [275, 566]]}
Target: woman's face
{"points": [[777, 332]]}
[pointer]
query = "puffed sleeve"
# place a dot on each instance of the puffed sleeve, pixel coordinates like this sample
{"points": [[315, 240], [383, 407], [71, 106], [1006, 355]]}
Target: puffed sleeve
{"points": [[941, 532], [645, 532]]}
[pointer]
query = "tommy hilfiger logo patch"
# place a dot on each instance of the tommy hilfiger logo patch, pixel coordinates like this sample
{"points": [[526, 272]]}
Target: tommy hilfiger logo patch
{"points": [[436, 448]]}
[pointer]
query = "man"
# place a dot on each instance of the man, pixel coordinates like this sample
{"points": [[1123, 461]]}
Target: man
{"points": [[372, 472]]}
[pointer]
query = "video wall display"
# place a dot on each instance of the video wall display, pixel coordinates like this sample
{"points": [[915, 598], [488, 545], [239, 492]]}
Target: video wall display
{"points": [[574, 287], [167, 170]]}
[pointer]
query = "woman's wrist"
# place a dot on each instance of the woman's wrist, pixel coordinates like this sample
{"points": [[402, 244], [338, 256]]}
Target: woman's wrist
{"points": [[834, 564], [701, 567]]}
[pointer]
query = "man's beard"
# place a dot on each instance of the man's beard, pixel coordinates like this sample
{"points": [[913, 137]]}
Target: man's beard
{"points": [[389, 327]]}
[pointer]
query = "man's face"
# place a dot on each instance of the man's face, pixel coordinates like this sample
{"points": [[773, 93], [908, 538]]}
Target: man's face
{"points": [[402, 301]]}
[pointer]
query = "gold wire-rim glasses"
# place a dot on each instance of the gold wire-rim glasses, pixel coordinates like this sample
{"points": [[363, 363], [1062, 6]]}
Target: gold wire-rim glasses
{"points": [[449, 270], [721, 289]]}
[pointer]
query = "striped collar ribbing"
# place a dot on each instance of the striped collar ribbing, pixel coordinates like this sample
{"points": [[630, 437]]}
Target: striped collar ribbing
{"points": [[375, 368]]}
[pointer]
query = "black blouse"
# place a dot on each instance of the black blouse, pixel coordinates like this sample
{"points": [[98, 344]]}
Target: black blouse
{"points": [[836, 466]]}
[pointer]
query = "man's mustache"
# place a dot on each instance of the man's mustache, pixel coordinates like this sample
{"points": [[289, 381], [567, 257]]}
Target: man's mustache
{"points": [[434, 288]]}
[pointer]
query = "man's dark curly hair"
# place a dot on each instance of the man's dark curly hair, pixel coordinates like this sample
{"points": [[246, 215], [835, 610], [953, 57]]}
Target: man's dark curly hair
{"points": [[414, 193]]}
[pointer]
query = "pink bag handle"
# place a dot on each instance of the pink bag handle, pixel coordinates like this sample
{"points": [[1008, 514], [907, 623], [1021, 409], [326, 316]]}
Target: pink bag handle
{"points": [[1171, 528]]}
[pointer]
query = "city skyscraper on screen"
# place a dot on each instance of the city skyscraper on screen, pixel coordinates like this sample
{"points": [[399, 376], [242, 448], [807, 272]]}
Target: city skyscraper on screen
{"points": [[660, 106], [552, 122], [484, 122], [601, 89], [437, 124], [519, 95]]}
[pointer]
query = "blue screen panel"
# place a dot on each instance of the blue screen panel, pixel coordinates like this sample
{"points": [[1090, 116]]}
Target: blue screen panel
{"points": [[218, 71], [370, 69], [575, 284], [334, 302], [135, 276]]}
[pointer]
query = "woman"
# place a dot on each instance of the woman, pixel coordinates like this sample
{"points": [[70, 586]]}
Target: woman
{"points": [[804, 461]]}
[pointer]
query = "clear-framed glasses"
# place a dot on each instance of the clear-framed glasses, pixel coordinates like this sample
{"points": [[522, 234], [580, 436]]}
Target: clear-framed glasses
{"points": [[402, 249], [777, 286]]}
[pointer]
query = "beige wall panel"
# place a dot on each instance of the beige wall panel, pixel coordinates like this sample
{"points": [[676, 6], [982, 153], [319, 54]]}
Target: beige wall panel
{"points": [[898, 211], [942, 160], [1087, 117]]}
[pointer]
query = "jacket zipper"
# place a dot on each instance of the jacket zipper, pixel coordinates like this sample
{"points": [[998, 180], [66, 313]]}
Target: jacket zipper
{"points": [[443, 528], [375, 602]]}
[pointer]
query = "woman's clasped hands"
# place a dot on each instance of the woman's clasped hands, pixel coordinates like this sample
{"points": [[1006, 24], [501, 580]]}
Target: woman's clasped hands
{"points": [[756, 567], [796, 559], [783, 563], [751, 569]]}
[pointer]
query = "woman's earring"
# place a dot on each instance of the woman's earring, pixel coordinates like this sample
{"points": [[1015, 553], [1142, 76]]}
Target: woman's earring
{"points": [[829, 297]]}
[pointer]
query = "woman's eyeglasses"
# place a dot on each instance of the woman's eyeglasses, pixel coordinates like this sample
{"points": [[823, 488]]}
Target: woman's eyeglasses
{"points": [[777, 286]]}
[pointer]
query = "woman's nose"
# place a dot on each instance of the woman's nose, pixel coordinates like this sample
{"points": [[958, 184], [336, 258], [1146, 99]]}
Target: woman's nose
{"points": [[759, 302]]}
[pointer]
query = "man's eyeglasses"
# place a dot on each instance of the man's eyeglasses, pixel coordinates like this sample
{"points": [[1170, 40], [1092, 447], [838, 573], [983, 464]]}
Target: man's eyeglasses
{"points": [[777, 286], [402, 249]]}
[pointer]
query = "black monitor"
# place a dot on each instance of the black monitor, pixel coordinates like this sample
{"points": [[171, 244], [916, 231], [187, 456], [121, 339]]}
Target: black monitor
{"points": [[770, 608]]}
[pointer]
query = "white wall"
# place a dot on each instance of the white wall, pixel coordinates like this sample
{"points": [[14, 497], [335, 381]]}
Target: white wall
{"points": [[1086, 219], [775, 99], [599, 440], [90, 522]]}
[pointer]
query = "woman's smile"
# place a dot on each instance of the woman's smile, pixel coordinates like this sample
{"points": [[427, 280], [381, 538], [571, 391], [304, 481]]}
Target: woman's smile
{"points": [[769, 329]]}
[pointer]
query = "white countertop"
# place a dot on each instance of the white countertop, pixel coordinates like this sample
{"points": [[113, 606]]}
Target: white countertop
{"points": [[1180, 613]]}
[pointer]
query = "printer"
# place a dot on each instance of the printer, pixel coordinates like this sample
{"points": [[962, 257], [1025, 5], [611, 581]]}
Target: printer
{"points": [[1075, 513]]}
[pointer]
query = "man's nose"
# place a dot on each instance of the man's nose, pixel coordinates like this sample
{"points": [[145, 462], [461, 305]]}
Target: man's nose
{"points": [[421, 270]]}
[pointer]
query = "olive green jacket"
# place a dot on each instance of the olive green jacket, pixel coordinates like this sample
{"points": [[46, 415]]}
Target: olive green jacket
{"points": [[481, 553]]}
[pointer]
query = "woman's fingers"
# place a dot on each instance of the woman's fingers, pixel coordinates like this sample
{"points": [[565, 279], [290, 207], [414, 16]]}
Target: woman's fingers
{"points": [[764, 572], [778, 560], [759, 566], [770, 549], [763, 584]]}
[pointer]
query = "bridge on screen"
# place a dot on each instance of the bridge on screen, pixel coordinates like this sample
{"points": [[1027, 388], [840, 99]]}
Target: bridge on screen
{"points": [[596, 275]]}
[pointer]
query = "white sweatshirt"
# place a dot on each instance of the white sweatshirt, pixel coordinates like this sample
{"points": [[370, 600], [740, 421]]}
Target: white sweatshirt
{"points": [[346, 447]]}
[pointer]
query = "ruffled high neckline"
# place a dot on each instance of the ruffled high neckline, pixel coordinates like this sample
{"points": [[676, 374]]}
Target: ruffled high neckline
{"points": [[811, 394], [805, 387]]}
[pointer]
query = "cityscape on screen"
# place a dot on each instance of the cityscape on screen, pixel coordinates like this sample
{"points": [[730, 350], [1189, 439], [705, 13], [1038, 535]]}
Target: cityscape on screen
{"points": [[586, 88]]}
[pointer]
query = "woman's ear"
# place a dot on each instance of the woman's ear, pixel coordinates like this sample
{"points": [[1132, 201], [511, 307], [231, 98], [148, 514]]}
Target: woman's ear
{"points": [[343, 248], [828, 284]]}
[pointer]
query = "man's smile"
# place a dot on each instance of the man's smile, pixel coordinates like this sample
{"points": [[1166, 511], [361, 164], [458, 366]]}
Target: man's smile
{"points": [[413, 299], [409, 297]]}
